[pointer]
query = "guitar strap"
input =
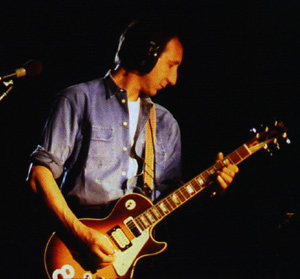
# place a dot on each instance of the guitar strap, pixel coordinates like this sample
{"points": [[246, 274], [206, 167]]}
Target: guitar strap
{"points": [[149, 152]]}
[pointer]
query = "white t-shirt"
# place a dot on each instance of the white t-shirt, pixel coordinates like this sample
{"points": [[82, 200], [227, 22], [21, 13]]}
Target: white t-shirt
{"points": [[134, 110]]}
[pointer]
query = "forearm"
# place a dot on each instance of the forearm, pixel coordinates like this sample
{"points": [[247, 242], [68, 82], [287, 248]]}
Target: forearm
{"points": [[90, 241], [45, 187]]}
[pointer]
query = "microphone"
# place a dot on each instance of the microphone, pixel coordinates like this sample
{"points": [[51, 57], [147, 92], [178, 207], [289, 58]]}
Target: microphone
{"points": [[30, 68]]}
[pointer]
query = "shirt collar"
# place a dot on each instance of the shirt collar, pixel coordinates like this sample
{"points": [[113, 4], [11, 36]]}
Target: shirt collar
{"points": [[111, 86], [113, 89]]}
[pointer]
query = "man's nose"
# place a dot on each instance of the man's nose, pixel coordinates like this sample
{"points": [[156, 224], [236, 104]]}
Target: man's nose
{"points": [[172, 78]]}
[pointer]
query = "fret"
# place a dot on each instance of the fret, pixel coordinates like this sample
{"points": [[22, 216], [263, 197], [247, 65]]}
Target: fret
{"points": [[190, 189], [171, 202], [180, 196], [200, 181], [248, 149], [160, 210], [163, 207], [212, 171], [195, 185], [239, 155], [243, 151], [220, 165], [176, 199], [150, 216], [156, 213], [145, 221], [206, 176], [234, 157], [229, 158], [167, 204], [185, 192], [145, 214], [140, 223]]}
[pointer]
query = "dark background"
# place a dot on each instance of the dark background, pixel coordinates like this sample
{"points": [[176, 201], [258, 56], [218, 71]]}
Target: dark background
{"points": [[240, 70]]}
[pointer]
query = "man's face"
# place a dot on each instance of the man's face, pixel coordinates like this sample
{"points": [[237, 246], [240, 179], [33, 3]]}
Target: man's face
{"points": [[165, 70]]}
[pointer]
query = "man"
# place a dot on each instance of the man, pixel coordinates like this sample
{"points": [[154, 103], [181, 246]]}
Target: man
{"points": [[94, 139]]}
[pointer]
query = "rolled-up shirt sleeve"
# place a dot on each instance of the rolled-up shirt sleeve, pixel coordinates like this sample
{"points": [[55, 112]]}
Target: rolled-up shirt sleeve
{"points": [[41, 157]]}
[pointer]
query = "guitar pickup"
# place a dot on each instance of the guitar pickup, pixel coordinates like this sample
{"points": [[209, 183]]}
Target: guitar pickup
{"points": [[131, 225], [119, 237]]}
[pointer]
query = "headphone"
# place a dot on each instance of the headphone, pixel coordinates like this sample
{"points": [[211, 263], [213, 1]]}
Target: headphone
{"points": [[149, 60], [140, 46]]}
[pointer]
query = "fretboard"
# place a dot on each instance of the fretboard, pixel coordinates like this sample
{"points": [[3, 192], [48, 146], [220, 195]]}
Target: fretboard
{"points": [[157, 212]]}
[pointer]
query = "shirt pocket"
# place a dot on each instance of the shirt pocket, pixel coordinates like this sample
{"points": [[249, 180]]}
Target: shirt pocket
{"points": [[102, 144]]}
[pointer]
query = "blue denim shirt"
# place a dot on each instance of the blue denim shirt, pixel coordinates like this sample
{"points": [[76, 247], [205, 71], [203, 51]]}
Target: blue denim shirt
{"points": [[86, 143]]}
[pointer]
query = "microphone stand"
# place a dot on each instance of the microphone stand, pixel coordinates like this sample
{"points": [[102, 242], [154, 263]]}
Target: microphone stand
{"points": [[30, 68], [9, 85]]}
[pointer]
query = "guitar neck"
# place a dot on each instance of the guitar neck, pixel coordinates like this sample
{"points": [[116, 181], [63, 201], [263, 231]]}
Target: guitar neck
{"points": [[180, 196]]}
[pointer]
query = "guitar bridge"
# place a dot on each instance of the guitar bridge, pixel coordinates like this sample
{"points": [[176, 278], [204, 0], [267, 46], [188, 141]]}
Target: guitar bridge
{"points": [[119, 237]]}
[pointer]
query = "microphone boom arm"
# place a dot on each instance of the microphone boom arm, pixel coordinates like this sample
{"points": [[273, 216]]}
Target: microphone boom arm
{"points": [[30, 68]]}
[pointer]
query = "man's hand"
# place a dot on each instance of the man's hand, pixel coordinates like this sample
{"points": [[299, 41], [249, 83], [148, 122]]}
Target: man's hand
{"points": [[226, 175], [96, 247]]}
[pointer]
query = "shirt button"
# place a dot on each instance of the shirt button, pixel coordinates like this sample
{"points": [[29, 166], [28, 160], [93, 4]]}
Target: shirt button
{"points": [[123, 173], [123, 101], [125, 123], [121, 90], [125, 148]]}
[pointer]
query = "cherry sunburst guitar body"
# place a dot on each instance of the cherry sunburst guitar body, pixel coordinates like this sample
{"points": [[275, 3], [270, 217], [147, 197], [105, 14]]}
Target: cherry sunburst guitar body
{"points": [[130, 242], [129, 226]]}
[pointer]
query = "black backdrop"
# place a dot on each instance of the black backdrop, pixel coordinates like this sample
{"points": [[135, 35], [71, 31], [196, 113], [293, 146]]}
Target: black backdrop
{"points": [[240, 69]]}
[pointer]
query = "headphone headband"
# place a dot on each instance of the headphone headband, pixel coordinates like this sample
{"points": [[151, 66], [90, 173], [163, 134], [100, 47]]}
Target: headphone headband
{"points": [[141, 45]]}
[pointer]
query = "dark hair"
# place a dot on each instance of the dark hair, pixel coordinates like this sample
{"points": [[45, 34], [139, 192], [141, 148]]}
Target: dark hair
{"points": [[142, 43]]}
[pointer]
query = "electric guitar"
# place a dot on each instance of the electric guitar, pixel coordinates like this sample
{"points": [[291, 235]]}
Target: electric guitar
{"points": [[130, 224]]}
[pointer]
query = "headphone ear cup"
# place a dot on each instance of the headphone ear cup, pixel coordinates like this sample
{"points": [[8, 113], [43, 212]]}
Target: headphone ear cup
{"points": [[150, 59]]}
